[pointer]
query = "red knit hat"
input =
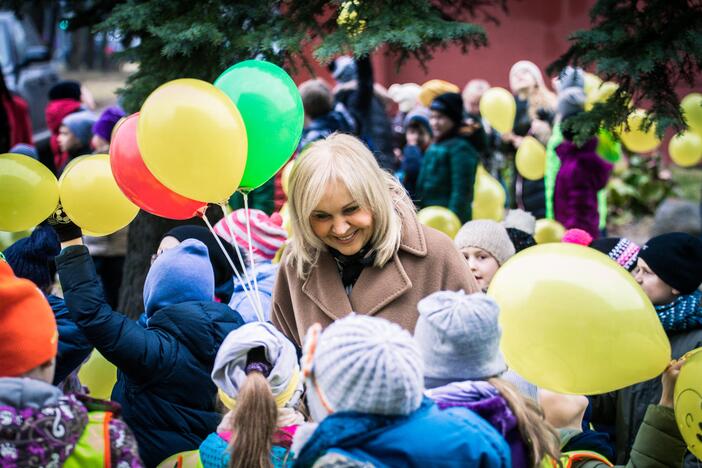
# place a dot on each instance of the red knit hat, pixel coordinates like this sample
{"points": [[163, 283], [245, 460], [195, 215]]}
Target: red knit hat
{"points": [[28, 334]]}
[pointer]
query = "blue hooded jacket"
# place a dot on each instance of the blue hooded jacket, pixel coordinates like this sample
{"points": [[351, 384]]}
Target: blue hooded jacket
{"points": [[163, 378], [73, 346]]}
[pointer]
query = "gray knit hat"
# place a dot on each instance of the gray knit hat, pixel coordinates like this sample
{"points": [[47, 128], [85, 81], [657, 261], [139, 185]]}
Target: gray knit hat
{"points": [[369, 365], [459, 337], [488, 235]]}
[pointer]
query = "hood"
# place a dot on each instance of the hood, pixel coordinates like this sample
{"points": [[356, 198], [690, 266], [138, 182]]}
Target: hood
{"points": [[57, 110], [43, 423], [181, 274], [200, 326]]}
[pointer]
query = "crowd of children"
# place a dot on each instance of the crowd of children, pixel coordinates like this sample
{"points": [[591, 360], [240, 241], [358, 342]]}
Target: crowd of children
{"points": [[372, 341]]}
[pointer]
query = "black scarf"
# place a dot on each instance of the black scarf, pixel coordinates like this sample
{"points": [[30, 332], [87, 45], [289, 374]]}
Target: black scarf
{"points": [[351, 266]]}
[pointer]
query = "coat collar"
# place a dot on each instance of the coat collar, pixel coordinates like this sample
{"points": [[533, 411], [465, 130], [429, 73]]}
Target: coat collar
{"points": [[376, 287]]}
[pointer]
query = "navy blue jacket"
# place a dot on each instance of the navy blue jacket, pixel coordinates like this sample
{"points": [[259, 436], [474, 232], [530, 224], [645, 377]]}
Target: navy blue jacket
{"points": [[163, 378], [73, 346]]}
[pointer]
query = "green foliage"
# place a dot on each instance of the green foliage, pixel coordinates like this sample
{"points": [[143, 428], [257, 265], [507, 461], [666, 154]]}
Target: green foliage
{"points": [[648, 48], [637, 187]]}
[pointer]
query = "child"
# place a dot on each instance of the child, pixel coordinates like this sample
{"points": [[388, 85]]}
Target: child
{"points": [[33, 258], [102, 129], [64, 99], [364, 387], [75, 134], [459, 338], [268, 237], [163, 381], [583, 172], [447, 175], [486, 246], [39, 425], [658, 439], [669, 270], [418, 136], [258, 378]]}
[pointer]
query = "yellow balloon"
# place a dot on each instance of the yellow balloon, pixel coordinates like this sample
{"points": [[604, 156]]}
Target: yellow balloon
{"points": [[91, 197], [573, 321], [440, 218], [99, 375], [189, 459], [285, 177], [600, 94], [531, 159], [688, 402], [548, 230], [488, 197], [498, 107], [193, 140], [592, 83], [685, 149], [433, 88], [637, 140], [692, 110], [9, 238], [28, 192]]}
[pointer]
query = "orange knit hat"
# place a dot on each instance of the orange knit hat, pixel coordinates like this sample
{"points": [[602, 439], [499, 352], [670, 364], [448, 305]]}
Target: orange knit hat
{"points": [[28, 334]]}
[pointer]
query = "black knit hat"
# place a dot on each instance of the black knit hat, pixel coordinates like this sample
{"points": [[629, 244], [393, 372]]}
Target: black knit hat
{"points": [[449, 104], [65, 90], [676, 258], [520, 239], [33, 257]]}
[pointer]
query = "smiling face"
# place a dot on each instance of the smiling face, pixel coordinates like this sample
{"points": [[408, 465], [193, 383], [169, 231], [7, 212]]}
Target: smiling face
{"points": [[340, 221], [440, 124], [482, 265], [655, 288]]}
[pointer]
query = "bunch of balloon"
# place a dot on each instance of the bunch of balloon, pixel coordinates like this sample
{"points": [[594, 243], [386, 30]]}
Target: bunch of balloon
{"points": [[138, 183], [692, 111], [272, 112], [440, 218], [548, 230], [91, 197], [601, 93], [531, 159], [29, 192], [549, 294], [685, 149], [498, 107], [635, 138], [688, 401], [488, 196]]}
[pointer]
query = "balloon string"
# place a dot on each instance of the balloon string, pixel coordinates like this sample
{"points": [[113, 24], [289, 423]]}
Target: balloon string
{"points": [[251, 255], [231, 263], [255, 303]]}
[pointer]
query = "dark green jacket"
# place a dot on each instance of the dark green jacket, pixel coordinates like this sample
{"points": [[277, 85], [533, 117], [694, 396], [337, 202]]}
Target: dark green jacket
{"points": [[658, 443], [447, 176]]}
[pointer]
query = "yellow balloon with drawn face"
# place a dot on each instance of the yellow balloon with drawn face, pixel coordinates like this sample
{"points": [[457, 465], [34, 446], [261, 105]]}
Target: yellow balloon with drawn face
{"points": [[688, 402]]}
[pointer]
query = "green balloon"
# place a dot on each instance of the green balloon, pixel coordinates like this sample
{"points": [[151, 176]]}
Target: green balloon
{"points": [[271, 107]]}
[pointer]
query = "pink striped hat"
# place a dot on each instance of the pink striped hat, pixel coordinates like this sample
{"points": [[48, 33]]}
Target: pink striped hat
{"points": [[267, 233]]}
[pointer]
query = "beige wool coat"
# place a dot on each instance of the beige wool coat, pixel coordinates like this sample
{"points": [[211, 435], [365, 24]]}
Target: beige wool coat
{"points": [[426, 262]]}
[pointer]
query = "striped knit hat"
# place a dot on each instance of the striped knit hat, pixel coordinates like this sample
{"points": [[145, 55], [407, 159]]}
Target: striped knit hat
{"points": [[267, 233], [620, 249]]}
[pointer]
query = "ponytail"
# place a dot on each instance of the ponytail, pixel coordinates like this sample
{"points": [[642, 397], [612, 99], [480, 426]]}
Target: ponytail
{"points": [[540, 438], [254, 424]]}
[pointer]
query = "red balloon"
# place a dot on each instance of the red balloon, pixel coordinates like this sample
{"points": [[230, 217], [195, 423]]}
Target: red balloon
{"points": [[138, 183]]}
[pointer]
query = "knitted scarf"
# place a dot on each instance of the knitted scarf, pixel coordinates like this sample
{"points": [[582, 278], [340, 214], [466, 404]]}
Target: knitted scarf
{"points": [[351, 266], [684, 313]]}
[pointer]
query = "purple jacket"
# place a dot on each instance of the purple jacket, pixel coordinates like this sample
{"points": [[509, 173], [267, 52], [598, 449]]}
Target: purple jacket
{"points": [[583, 173]]}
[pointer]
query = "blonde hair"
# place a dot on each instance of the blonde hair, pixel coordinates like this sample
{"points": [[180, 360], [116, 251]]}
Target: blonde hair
{"points": [[540, 438], [346, 159]]}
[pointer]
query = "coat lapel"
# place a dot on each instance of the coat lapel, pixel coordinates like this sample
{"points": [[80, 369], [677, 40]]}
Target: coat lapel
{"points": [[324, 287]]}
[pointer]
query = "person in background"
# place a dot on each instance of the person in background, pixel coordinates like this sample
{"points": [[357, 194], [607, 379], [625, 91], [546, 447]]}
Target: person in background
{"points": [[268, 236], [32, 258], [668, 270], [15, 122], [483, 138], [620, 249], [365, 384], [520, 226], [64, 99], [74, 136], [258, 378], [322, 116], [405, 96], [447, 175], [486, 246], [418, 137], [459, 337], [39, 425], [109, 251]]}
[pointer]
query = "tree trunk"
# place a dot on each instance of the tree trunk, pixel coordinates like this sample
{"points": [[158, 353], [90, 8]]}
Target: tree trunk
{"points": [[145, 234]]}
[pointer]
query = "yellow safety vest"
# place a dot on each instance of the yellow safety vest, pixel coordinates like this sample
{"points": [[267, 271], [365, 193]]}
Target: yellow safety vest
{"points": [[93, 447], [190, 459]]}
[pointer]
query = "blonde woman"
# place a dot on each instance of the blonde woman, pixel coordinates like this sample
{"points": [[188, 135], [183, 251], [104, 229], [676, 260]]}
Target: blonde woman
{"points": [[357, 245]]}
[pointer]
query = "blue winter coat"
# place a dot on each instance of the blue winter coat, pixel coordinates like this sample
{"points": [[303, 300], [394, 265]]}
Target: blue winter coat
{"points": [[163, 379], [73, 346], [454, 437], [265, 277]]}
